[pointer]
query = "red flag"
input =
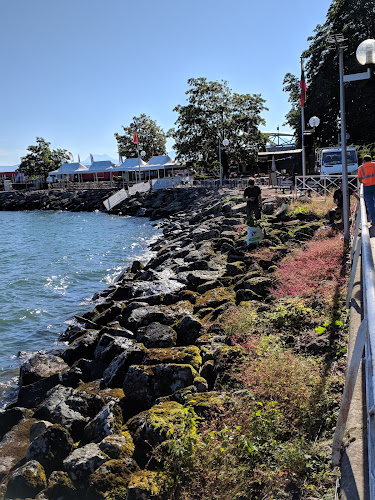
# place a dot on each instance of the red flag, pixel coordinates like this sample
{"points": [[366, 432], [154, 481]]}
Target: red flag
{"points": [[135, 138], [302, 85]]}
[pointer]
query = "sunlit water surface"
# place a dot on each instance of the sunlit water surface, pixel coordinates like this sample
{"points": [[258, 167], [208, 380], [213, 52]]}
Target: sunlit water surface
{"points": [[51, 265]]}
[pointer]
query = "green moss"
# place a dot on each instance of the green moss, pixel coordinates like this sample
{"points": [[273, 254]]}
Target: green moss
{"points": [[205, 401], [189, 355], [110, 481], [167, 419], [36, 479], [147, 481], [214, 298], [123, 448]]}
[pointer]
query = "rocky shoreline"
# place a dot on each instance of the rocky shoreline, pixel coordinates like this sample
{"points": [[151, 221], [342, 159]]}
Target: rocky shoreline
{"points": [[89, 415]]}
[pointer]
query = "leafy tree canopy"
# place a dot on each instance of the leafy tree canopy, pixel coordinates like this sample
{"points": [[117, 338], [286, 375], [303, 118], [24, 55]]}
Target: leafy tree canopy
{"points": [[41, 159], [151, 137], [214, 111], [355, 20]]}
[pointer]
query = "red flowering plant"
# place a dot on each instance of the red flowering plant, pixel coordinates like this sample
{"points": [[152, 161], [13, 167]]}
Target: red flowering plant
{"points": [[313, 272]]}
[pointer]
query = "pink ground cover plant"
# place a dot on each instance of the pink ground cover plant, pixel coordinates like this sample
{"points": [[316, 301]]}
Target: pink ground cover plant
{"points": [[313, 272]]}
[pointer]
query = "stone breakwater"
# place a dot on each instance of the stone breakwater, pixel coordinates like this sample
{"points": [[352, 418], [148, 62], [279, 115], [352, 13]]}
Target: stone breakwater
{"points": [[89, 415], [154, 204]]}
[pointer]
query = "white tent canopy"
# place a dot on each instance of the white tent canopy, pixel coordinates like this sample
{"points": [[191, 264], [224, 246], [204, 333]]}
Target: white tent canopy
{"points": [[100, 166], [162, 161], [129, 165], [71, 168]]}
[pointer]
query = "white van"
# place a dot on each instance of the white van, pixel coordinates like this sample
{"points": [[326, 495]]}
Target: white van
{"points": [[331, 163]]}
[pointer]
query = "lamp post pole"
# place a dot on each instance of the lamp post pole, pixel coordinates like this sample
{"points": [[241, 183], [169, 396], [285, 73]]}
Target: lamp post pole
{"points": [[344, 159], [221, 172], [368, 48]]}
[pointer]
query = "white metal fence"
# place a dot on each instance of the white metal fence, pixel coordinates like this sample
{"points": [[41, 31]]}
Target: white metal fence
{"points": [[322, 185]]}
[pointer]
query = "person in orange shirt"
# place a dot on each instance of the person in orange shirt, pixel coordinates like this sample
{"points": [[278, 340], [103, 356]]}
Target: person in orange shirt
{"points": [[366, 175]]}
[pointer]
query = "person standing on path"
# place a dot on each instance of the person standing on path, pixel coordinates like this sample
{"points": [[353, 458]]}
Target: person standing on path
{"points": [[366, 175], [253, 196]]}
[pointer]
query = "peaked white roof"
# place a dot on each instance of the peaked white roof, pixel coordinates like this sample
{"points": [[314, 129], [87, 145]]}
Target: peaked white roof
{"points": [[72, 168], [100, 166], [161, 160], [129, 164]]}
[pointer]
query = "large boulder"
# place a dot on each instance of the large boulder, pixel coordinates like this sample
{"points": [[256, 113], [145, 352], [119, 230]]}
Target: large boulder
{"points": [[50, 448], [10, 417], [69, 408], [118, 445], [82, 462], [144, 485], [167, 315], [108, 421], [115, 373], [30, 396], [83, 347], [157, 335], [144, 384], [60, 486], [189, 355], [188, 330], [26, 481], [109, 347], [40, 366], [111, 479], [151, 427]]}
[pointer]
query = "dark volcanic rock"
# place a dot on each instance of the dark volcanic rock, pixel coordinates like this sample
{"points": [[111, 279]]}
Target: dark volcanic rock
{"points": [[188, 330], [115, 373], [50, 448], [32, 395], [69, 408], [26, 481], [41, 366], [157, 335], [144, 384]]}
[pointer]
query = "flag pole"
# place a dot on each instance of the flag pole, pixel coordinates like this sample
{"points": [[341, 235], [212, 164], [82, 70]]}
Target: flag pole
{"points": [[139, 158], [303, 92]]}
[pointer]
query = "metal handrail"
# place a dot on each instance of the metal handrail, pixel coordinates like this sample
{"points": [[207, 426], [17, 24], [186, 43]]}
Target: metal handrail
{"points": [[365, 342]]}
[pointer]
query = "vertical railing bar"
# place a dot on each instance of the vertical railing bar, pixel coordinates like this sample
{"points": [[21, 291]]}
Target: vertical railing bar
{"points": [[353, 273]]}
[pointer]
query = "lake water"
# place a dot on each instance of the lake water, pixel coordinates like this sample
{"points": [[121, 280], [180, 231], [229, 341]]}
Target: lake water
{"points": [[51, 265]]}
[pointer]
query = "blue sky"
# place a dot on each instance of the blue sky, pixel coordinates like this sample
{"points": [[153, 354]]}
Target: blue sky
{"points": [[75, 71]]}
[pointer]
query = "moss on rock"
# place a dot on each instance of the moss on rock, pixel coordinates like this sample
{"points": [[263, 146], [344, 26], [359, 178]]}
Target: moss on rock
{"points": [[145, 484], [110, 481], [189, 355]]}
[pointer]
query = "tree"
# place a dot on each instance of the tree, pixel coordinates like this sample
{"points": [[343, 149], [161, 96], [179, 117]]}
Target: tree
{"points": [[41, 159], [214, 111], [355, 20], [151, 137]]}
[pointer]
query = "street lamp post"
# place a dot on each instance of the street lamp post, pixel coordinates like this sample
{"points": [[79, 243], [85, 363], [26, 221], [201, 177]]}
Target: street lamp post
{"points": [[225, 144], [366, 53]]}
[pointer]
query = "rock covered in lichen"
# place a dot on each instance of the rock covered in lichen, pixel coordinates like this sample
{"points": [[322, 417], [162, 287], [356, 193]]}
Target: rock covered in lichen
{"points": [[51, 447], [108, 421], [82, 462], [26, 481], [110, 480], [118, 445], [144, 384], [151, 427], [145, 485]]}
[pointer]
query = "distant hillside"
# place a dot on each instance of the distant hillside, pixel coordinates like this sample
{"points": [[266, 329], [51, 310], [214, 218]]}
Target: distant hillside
{"points": [[87, 161]]}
